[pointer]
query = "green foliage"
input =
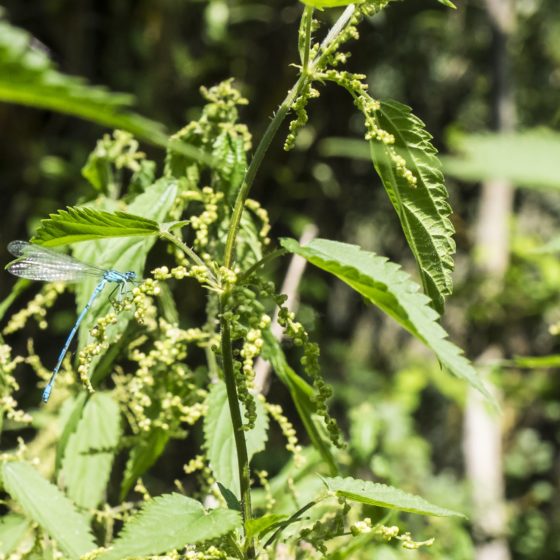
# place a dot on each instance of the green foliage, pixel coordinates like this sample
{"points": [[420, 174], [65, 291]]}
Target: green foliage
{"points": [[526, 159], [82, 223], [203, 314], [220, 441], [170, 522], [388, 287], [374, 494], [422, 207], [29, 78], [44, 504], [89, 454]]}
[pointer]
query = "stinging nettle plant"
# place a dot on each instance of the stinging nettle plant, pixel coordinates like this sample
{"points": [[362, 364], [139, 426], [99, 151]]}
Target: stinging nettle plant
{"points": [[151, 375]]}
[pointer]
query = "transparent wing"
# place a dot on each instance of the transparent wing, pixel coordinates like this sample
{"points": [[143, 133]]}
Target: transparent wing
{"points": [[39, 263]]}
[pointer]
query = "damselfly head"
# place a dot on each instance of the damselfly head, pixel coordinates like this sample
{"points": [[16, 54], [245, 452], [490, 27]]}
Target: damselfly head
{"points": [[130, 275]]}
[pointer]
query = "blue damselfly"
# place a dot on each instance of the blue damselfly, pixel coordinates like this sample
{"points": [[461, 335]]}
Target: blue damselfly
{"points": [[39, 263]]}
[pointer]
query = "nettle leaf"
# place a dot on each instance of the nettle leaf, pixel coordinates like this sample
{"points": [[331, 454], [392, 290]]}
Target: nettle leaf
{"points": [[170, 522], [48, 507], [90, 451], [82, 223], [391, 289], [302, 395], [220, 441], [423, 209], [374, 494]]}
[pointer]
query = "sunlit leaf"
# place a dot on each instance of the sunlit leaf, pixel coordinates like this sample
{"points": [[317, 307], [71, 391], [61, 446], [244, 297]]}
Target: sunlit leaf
{"points": [[170, 522], [82, 223], [387, 286], [90, 451], [423, 209], [49, 508], [220, 441], [374, 494]]}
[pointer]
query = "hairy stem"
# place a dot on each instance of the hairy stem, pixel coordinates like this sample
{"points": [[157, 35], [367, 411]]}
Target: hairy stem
{"points": [[273, 127], [237, 421], [242, 195]]}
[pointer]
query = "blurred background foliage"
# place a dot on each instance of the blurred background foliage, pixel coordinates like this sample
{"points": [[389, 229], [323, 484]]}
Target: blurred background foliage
{"points": [[403, 417]]}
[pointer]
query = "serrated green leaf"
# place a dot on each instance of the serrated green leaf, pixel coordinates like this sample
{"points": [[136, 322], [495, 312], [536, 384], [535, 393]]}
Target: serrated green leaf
{"points": [[170, 522], [90, 451], [82, 223], [423, 209], [46, 505], [302, 396], [220, 441], [387, 286], [374, 494], [142, 456], [12, 530]]}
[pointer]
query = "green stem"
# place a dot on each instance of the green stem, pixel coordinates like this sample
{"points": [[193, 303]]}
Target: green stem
{"points": [[237, 422], [273, 127]]}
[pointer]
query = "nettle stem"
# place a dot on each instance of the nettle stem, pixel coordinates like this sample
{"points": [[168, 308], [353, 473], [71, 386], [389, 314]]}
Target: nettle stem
{"points": [[237, 422], [226, 348], [273, 127]]}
